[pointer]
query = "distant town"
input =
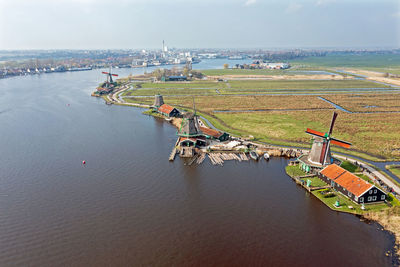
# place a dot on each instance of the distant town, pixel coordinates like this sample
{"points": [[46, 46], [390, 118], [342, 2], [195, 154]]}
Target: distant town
{"points": [[32, 62]]}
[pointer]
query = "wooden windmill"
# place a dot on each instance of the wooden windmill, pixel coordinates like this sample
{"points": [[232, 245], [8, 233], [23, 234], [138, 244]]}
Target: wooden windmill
{"points": [[320, 151], [190, 124]]}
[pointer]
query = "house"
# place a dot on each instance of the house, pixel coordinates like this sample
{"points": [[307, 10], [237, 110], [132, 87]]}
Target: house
{"points": [[351, 185], [214, 134], [168, 111]]}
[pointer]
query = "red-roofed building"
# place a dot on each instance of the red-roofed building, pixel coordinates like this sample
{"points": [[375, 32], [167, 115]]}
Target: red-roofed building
{"points": [[168, 111], [211, 133], [351, 185]]}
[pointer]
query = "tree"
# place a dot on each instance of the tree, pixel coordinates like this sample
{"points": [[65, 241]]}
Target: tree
{"points": [[226, 66]]}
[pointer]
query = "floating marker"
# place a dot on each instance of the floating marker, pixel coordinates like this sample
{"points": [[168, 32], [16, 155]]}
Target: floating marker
{"points": [[83, 162]]}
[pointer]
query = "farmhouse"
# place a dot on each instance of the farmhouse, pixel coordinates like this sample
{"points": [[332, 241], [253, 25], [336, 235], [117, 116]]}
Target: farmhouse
{"points": [[168, 111], [350, 185], [214, 134]]}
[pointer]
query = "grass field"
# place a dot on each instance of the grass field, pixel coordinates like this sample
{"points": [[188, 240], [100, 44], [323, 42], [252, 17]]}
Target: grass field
{"points": [[251, 102], [295, 171], [344, 203], [251, 87], [392, 70], [304, 84], [289, 126], [347, 165], [351, 60], [315, 181], [374, 134], [395, 169], [367, 102], [220, 72]]}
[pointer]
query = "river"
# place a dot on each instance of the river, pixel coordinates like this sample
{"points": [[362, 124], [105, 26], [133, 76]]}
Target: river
{"points": [[129, 206]]}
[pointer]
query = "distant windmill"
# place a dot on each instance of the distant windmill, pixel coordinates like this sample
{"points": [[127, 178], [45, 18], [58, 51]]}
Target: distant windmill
{"points": [[109, 76], [320, 150]]}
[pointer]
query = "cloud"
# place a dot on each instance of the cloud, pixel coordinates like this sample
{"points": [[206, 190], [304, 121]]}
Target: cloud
{"points": [[293, 7], [250, 2]]}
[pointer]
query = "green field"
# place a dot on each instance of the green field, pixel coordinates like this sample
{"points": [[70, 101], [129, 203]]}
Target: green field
{"points": [[220, 72], [395, 169], [344, 203], [251, 87], [304, 84], [347, 165], [351, 60], [295, 171], [315, 181]]}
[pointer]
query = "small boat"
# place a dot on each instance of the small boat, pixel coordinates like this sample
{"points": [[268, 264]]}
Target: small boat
{"points": [[266, 156], [253, 155], [168, 119]]}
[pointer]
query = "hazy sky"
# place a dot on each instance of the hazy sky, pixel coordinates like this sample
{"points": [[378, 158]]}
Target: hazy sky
{"points": [[92, 24]]}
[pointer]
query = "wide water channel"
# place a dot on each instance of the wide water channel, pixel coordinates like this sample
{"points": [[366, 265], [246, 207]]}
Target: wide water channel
{"points": [[129, 206]]}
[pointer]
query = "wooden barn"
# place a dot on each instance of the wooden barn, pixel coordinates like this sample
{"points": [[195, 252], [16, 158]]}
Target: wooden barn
{"points": [[214, 134], [351, 185], [168, 111]]}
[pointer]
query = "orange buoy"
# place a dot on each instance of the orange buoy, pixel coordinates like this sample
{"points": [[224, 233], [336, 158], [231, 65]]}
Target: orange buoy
{"points": [[83, 162]]}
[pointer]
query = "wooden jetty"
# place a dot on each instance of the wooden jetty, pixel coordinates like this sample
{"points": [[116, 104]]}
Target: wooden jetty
{"points": [[173, 154]]}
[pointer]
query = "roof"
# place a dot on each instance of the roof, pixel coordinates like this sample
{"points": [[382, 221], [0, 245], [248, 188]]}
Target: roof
{"points": [[165, 108], [333, 171], [211, 132], [353, 184], [346, 179]]}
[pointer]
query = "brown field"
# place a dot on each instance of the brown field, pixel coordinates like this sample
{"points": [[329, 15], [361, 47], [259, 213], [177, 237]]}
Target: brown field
{"points": [[251, 102], [367, 102]]}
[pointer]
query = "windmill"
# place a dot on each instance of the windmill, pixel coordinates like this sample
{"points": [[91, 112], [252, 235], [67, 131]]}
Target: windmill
{"points": [[109, 76], [320, 151], [190, 124]]}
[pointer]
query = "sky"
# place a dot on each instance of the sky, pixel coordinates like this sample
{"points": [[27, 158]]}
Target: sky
{"points": [[137, 24]]}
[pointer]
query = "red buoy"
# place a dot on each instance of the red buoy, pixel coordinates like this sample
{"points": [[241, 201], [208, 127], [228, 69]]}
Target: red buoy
{"points": [[83, 162]]}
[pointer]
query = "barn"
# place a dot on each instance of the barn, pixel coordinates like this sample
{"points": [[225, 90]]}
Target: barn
{"points": [[351, 185], [214, 134], [168, 111]]}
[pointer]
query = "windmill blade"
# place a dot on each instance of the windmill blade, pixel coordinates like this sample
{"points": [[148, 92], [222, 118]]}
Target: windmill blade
{"points": [[316, 133], [114, 74], [340, 143], [332, 122], [194, 107], [104, 72], [326, 152]]}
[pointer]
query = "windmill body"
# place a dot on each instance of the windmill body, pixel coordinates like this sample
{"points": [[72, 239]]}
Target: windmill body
{"points": [[320, 153], [158, 101]]}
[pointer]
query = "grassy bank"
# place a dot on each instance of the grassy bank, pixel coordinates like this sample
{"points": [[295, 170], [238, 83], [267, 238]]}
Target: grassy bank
{"points": [[395, 169]]}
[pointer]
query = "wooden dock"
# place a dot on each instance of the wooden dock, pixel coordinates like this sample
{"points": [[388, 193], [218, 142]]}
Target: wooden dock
{"points": [[173, 154]]}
